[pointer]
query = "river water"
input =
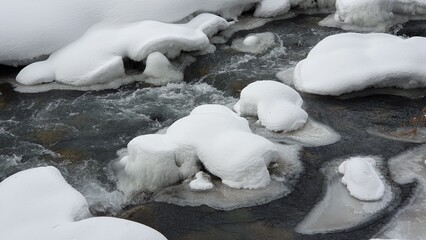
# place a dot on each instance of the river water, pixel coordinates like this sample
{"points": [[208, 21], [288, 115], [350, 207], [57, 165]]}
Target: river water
{"points": [[81, 132]]}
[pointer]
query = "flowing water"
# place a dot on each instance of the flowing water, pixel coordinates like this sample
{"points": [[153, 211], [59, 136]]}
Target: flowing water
{"points": [[81, 132]]}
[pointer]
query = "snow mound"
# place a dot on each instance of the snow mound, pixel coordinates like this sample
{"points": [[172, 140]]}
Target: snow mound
{"points": [[97, 57], [39, 204], [284, 174], [213, 134], [257, 43], [277, 106], [349, 62], [409, 167], [362, 179], [159, 71], [201, 182], [373, 15], [338, 210], [30, 36]]}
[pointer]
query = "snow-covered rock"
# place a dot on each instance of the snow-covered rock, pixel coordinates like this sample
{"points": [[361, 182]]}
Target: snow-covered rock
{"points": [[277, 106], [349, 62], [201, 182], [361, 178], [219, 138], [30, 36], [338, 210], [159, 71], [255, 43], [373, 15], [39, 204], [97, 57]]}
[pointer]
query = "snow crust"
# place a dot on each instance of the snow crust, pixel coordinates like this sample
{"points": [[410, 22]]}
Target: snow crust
{"points": [[216, 136], [349, 62], [39, 204], [257, 43], [96, 58], [362, 179], [277, 106], [338, 210], [30, 36]]}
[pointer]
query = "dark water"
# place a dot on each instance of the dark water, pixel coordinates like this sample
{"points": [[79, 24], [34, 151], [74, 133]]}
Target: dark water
{"points": [[80, 133]]}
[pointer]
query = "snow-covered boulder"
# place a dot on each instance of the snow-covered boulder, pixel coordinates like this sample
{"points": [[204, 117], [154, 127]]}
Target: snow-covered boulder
{"points": [[201, 182], [373, 15], [361, 178], [39, 204], [255, 43], [97, 57], [26, 35], [159, 71], [278, 106], [349, 62], [219, 138]]}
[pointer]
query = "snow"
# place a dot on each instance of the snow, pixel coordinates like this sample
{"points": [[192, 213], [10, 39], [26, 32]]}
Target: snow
{"points": [[350, 62], [159, 71], [201, 182], [39, 204], [362, 179], [257, 43], [408, 223], [30, 36], [284, 174], [96, 58], [338, 210], [277, 106], [373, 15], [213, 134]]}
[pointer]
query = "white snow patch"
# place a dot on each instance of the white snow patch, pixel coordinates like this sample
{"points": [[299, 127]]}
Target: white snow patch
{"points": [[284, 174], [30, 36], [272, 8], [159, 71], [349, 62], [338, 210], [201, 182], [277, 106], [96, 58], [362, 179], [215, 135], [257, 43], [39, 204]]}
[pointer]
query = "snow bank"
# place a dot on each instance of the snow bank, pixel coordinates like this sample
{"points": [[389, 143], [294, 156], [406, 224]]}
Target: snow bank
{"points": [[97, 57], [409, 167], [373, 15], [220, 139], [257, 43], [39, 204], [338, 210], [349, 62], [362, 179], [277, 106], [30, 36]]}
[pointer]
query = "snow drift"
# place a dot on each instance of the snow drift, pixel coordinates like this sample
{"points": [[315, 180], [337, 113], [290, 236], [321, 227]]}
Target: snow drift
{"points": [[349, 62], [277, 106], [26, 35], [39, 204], [97, 57]]}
